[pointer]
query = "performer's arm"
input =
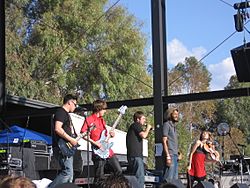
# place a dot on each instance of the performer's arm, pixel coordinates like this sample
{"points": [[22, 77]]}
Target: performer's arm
{"points": [[144, 134], [92, 141], [60, 132], [166, 151], [195, 146]]}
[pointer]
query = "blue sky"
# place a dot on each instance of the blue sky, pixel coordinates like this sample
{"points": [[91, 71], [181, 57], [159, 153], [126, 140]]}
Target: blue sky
{"points": [[194, 28]]}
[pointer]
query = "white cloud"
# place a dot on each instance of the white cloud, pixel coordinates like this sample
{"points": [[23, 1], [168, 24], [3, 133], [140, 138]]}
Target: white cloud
{"points": [[221, 73], [177, 52]]}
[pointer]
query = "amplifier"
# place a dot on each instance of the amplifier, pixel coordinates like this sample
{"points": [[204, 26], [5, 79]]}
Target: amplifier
{"points": [[3, 156], [19, 159], [10, 161], [15, 163], [37, 145], [10, 172], [42, 161], [227, 181]]}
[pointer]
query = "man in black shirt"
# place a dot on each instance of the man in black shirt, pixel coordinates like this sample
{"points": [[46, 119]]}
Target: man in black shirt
{"points": [[134, 141], [63, 129]]}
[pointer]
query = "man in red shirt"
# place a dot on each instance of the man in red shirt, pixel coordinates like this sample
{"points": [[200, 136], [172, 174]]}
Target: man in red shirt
{"points": [[96, 119]]}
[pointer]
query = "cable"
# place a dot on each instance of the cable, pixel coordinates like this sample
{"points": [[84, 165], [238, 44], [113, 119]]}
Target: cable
{"points": [[205, 55], [226, 3], [123, 70]]}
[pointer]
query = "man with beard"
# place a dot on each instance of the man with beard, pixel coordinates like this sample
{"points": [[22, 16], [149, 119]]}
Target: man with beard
{"points": [[170, 145]]}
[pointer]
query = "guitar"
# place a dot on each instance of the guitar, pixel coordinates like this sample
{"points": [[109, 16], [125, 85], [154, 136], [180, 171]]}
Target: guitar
{"points": [[104, 151], [66, 148]]}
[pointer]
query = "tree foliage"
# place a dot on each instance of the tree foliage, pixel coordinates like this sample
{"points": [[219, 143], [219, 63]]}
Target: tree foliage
{"points": [[55, 47], [235, 111]]}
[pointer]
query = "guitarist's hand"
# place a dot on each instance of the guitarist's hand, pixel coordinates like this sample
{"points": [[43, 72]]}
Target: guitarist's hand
{"points": [[112, 134], [73, 142], [99, 145]]}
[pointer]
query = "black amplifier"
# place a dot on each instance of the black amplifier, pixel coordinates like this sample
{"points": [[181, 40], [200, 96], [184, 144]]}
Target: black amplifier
{"points": [[37, 145], [42, 161]]}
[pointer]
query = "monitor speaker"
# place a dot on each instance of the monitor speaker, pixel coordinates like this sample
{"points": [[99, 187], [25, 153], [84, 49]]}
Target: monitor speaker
{"points": [[240, 185], [241, 60], [204, 184]]}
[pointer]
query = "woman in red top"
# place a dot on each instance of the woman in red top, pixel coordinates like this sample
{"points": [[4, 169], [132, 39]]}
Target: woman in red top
{"points": [[96, 119], [197, 158]]}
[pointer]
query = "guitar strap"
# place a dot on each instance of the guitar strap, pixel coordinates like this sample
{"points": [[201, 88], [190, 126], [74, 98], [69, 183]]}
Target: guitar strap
{"points": [[73, 131]]}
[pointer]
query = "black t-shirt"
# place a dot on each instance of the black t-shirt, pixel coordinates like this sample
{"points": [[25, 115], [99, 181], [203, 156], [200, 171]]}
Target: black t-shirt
{"points": [[134, 141], [63, 116]]}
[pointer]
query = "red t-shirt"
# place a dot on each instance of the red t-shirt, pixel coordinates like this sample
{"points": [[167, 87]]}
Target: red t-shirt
{"points": [[100, 126]]}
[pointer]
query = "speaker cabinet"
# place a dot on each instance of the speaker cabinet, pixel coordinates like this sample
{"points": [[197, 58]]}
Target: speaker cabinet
{"points": [[240, 185], [10, 172], [204, 184], [241, 60], [42, 161], [26, 155]]}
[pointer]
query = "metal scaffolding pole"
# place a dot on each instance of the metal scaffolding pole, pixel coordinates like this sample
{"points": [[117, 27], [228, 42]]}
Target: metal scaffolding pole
{"points": [[2, 57], [159, 70]]}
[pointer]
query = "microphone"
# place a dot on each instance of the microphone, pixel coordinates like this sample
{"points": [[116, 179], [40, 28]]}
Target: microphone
{"points": [[242, 5], [151, 129], [81, 110]]}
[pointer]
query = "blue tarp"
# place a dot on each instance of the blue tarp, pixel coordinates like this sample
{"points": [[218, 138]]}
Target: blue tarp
{"points": [[18, 134]]}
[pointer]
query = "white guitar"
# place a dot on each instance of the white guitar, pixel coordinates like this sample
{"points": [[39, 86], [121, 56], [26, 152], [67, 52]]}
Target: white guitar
{"points": [[104, 140]]}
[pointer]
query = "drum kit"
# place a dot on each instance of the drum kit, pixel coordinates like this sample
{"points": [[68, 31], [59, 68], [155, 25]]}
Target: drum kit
{"points": [[235, 166]]}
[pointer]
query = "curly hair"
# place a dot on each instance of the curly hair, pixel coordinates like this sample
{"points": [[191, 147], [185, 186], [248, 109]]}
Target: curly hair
{"points": [[113, 181], [16, 182]]}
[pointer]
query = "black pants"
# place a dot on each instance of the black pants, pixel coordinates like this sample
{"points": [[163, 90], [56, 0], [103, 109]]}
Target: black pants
{"points": [[100, 163], [191, 179]]}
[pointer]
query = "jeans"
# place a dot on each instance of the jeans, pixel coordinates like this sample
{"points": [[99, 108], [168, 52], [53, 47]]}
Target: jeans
{"points": [[100, 163], [136, 166], [67, 171], [171, 172]]}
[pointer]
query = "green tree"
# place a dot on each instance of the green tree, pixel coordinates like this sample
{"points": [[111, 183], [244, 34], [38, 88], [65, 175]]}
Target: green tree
{"points": [[74, 45], [235, 111]]}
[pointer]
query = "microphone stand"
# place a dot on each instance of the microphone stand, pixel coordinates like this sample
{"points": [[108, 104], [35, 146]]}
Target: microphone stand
{"points": [[222, 155], [241, 158], [22, 144], [88, 151]]}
